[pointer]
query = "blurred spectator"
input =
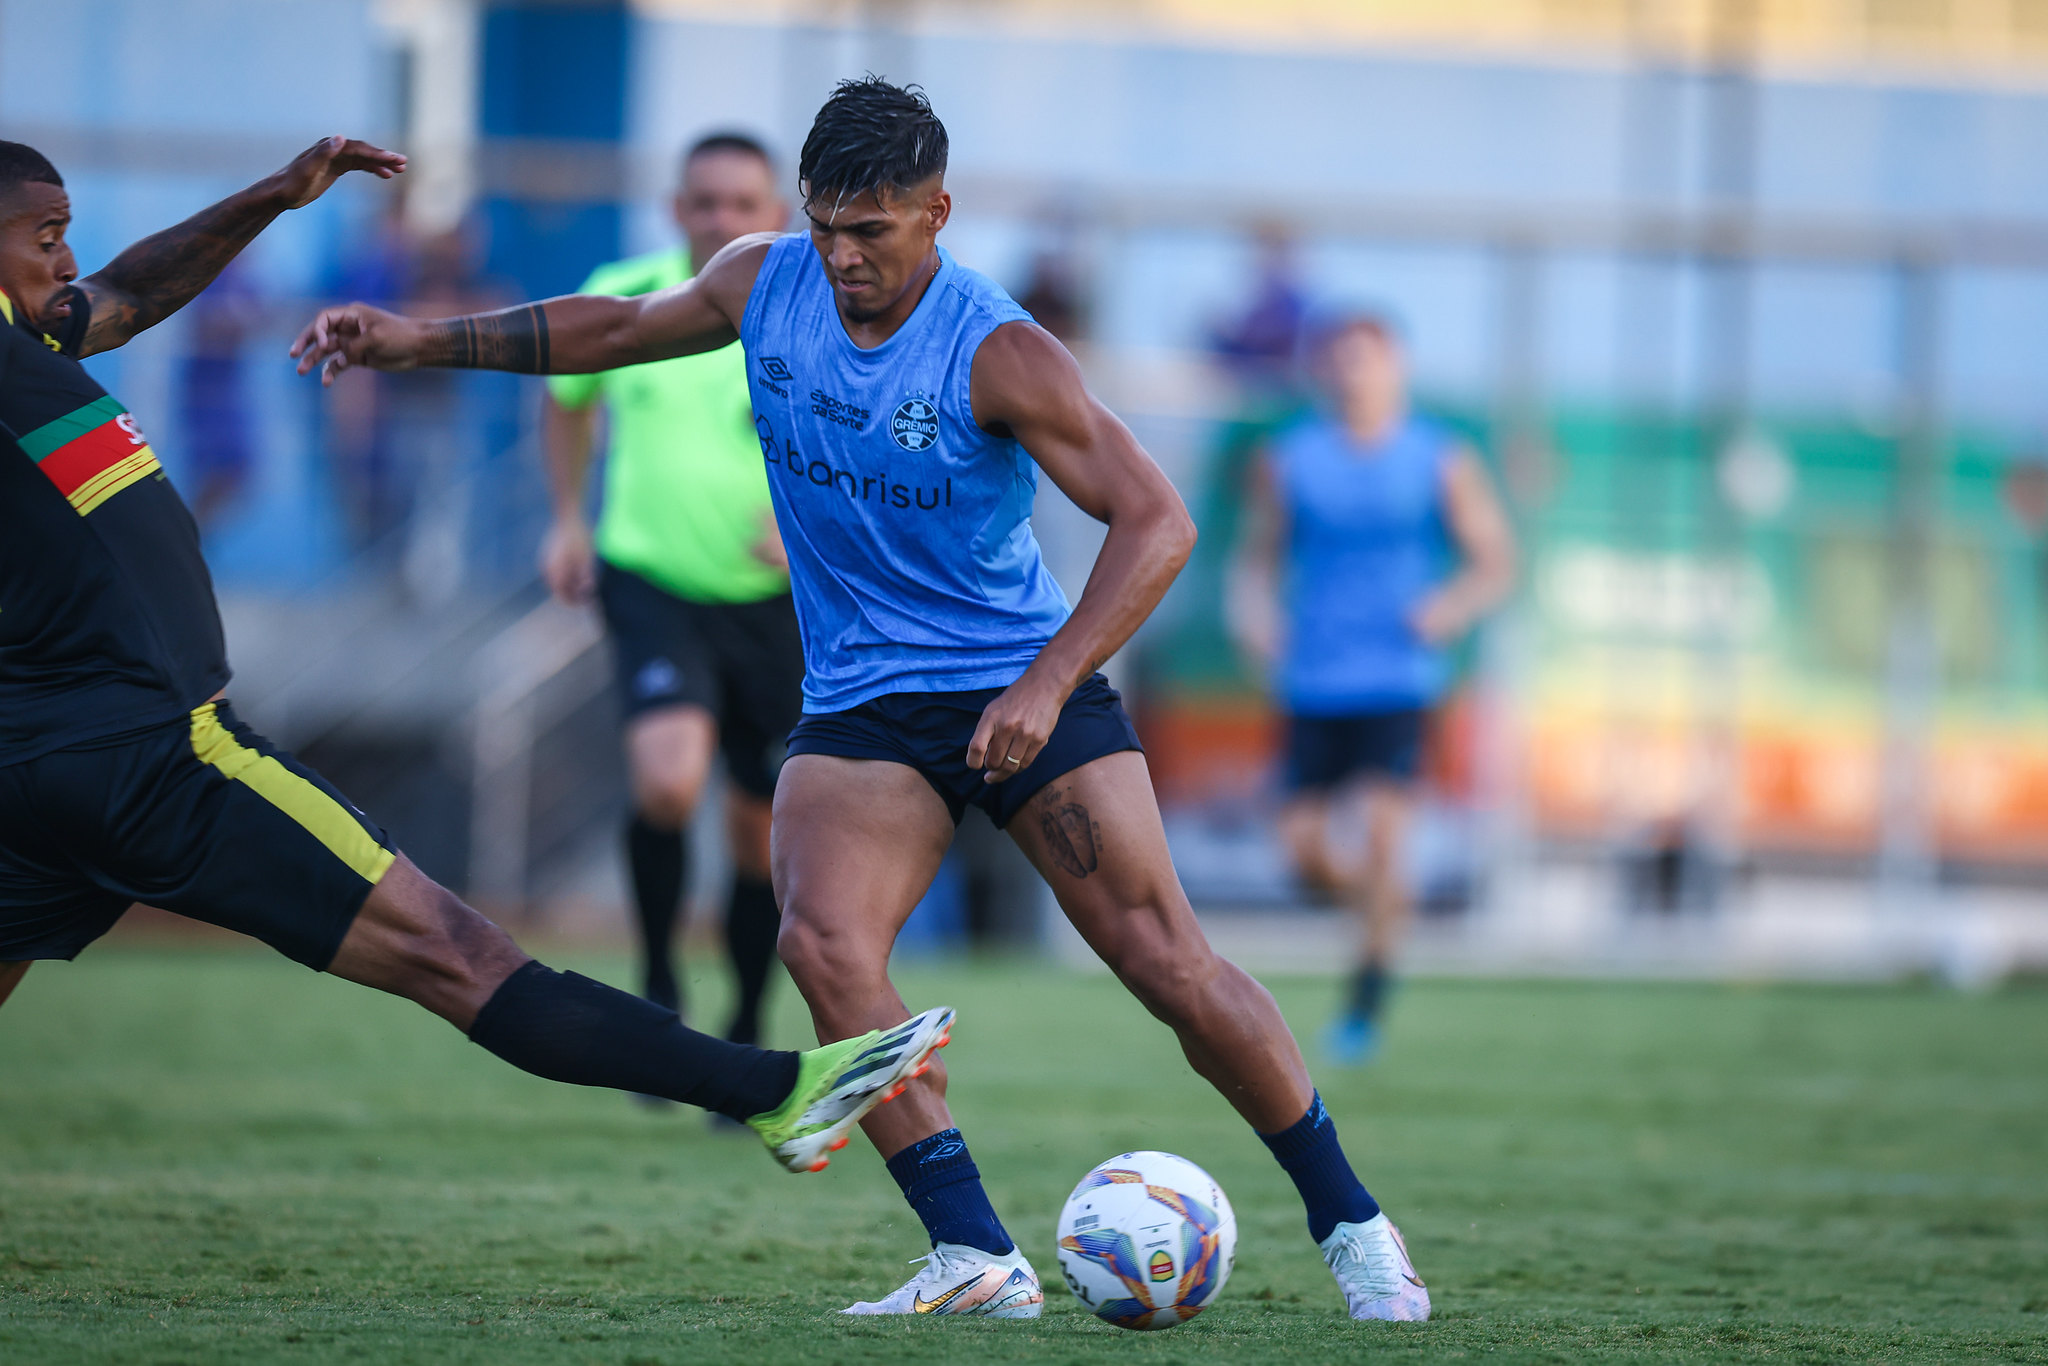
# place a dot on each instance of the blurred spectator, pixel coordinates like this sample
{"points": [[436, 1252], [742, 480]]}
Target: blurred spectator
{"points": [[358, 429], [401, 443], [434, 440], [1374, 540], [1258, 346], [213, 399], [1669, 869], [1052, 296]]}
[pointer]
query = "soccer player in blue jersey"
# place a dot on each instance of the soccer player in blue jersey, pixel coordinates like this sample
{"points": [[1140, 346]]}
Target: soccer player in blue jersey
{"points": [[905, 405], [1375, 540]]}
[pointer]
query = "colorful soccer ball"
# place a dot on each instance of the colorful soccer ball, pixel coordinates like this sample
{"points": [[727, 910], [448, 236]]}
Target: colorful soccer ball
{"points": [[1146, 1240]]}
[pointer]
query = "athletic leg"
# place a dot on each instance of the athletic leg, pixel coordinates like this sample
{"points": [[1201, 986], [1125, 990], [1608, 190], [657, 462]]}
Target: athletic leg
{"points": [[418, 940], [668, 757], [1095, 835], [856, 842], [1377, 890], [1305, 830], [760, 657], [752, 918]]}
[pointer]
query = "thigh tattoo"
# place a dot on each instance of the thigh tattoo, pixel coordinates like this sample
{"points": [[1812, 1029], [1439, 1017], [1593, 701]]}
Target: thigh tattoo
{"points": [[1069, 834]]}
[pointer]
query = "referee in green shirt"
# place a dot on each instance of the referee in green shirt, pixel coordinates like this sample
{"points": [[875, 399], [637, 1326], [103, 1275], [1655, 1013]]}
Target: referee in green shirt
{"points": [[690, 575]]}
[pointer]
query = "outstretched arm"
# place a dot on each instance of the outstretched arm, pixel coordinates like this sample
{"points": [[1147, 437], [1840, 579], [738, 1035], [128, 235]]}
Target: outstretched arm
{"points": [[1251, 592], [165, 271], [1486, 547], [568, 559], [1025, 384], [574, 334]]}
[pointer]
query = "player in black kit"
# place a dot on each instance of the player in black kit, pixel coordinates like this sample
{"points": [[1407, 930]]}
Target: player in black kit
{"points": [[125, 776]]}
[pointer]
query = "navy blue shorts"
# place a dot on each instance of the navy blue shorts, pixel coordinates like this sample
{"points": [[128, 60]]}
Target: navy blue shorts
{"points": [[741, 661], [202, 817], [929, 731], [1324, 752]]}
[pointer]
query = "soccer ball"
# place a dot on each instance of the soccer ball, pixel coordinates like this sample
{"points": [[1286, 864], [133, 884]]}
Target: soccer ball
{"points": [[1146, 1240]]}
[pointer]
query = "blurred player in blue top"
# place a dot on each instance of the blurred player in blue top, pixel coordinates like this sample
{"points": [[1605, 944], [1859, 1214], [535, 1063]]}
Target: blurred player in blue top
{"points": [[1373, 541], [905, 405]]}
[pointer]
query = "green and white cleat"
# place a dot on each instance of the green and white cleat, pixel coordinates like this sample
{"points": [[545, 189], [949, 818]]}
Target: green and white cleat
{"points": [[837, 1084]]}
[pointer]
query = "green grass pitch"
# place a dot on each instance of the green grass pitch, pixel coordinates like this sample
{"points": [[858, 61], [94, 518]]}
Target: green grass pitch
{"points": [[210, 1156]]}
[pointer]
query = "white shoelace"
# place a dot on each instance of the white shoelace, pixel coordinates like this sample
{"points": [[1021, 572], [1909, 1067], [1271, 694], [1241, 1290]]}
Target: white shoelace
{"points": [[1353, 1254]]}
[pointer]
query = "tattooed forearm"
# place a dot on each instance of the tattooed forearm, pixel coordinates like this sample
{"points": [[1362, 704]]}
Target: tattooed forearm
{"points": [[1069, 835], [165, 271], [514, 339]]}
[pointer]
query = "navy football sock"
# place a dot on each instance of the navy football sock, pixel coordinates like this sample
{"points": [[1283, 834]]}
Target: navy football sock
{"points": [[1308, 1151], [943, 1186], [659, 861], [1368, 990], [568, 1028], [751, 924]]}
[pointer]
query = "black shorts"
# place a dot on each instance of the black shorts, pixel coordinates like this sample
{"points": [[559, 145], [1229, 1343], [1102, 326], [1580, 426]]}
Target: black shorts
{"points": [[1324, 752], [930, 732], [202, 817], [741, 661]]}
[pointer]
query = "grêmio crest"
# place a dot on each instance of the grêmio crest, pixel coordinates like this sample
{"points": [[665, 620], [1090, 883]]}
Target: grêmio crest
{"points": [[915, 424]]}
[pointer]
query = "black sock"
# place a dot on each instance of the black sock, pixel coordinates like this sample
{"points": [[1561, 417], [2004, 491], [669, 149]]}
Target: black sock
{"points": [[1308, 1151], [751, 924], [1368, 990], [660, 864], [943, 1186], [568, 1028]]}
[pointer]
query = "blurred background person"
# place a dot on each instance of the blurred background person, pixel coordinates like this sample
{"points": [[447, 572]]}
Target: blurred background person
{"points": [[436, 427], [1053, 296], [1373, 541], [358, 433], [689, 572], [213, 396], [1257, 344]]}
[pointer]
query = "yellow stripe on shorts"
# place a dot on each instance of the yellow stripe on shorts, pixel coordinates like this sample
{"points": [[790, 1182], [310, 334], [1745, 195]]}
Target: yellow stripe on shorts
{"points": [[324, 818]]}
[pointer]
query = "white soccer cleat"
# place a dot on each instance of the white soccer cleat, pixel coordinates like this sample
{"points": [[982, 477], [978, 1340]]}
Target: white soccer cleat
{"points": [[965, 1280], [1372, 1268]]}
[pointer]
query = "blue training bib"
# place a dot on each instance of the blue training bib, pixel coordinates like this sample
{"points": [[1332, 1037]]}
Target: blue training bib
{"points": [[1366, 546], [908, 527]]}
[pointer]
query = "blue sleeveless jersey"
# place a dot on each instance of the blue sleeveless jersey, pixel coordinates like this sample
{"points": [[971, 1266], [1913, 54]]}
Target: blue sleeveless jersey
{"points": [[908, 527], [1366, 544]]}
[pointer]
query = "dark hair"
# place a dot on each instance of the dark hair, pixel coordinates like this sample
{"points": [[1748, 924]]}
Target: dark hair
{"points": [[1326, 323], [872, 136], [729, 140], [21, 164]]}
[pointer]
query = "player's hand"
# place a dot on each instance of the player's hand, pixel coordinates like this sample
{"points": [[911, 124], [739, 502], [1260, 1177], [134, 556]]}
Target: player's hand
{"points": [[357, 335], [1252, 618], [1437, 620], [327, 161], [568, 562], [768, 549], [1014, 728]]}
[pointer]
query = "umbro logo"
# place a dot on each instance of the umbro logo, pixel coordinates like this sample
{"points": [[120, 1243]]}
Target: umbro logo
{"points": [[773, 367]]}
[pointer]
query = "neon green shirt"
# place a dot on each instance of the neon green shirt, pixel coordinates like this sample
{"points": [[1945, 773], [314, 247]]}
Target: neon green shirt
{"points": [[685, 490]]}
